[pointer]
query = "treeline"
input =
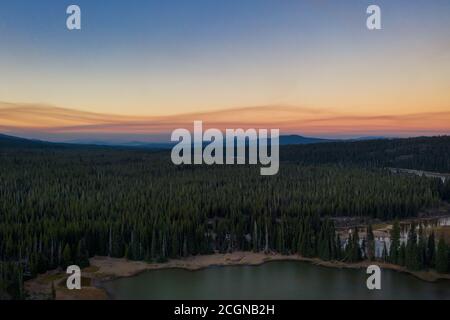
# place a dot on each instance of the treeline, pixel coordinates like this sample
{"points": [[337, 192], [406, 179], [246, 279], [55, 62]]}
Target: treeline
{"points": [[61, 205], [418, 252], [11, 281]]}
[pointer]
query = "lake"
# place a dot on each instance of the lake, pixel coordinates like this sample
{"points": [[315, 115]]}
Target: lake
{"points": [[283, 280]]}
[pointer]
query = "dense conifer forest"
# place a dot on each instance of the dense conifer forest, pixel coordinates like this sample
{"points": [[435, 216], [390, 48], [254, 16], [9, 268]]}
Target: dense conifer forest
{"points": [[61, 204], [423, 153]]}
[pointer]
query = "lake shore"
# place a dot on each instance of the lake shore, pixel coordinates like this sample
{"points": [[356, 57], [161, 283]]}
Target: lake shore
{"points": [[106, 269], [112, 268]]}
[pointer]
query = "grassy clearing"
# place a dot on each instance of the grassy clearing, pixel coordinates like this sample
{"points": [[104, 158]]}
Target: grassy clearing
{"points": [[90, 269], [443, 232]]}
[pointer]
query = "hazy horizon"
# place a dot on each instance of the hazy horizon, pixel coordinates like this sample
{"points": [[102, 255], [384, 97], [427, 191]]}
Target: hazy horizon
{"points": [[65, 125]]}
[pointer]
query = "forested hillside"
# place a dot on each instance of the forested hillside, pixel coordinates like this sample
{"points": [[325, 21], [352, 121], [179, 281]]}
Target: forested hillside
{"points": [[424, 153], [61, 204]]}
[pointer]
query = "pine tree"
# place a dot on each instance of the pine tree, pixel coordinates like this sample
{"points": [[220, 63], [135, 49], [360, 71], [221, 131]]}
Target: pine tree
{"points": [[431, 251], [363, 249], [353, 250], [255, 237], [338, 255], [385, 255], [326, 245], [395, 243], [370, 243], [67, 256], [402, 255], [82, 258], [356, 250], [422, 250], [442, 256], [412, 252]]}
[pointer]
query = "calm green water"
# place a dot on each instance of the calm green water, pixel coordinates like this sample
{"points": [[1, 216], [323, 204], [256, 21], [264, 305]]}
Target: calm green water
{"points": [[274, 280]]}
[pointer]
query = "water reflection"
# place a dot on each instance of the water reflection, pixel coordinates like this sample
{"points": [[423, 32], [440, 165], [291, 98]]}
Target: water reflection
{"points": [[274, 280]]}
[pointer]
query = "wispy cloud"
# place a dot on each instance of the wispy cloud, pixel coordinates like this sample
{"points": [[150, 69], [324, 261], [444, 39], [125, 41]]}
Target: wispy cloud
{"points": [[60, 124]]}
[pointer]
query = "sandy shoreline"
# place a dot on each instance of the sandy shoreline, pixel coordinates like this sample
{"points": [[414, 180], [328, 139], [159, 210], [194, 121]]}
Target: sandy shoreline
{"points": [[112, 268], [106, 269]]}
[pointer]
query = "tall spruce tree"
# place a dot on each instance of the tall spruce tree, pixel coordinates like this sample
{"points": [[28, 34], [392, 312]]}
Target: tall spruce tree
{"points": [[431, 251], [442, 262], [67, 256], [353, 250], [412, 252], [422, 249], [370, 243], [402, 255], [395, 243]]}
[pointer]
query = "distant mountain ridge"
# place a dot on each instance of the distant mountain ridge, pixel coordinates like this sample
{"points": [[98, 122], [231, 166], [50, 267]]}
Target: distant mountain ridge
{"points": [[296, 139], [284, 140], [11, 141], [7, 140]]}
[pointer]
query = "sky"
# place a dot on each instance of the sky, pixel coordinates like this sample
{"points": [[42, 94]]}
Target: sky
{"points": [[139, 69]]}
